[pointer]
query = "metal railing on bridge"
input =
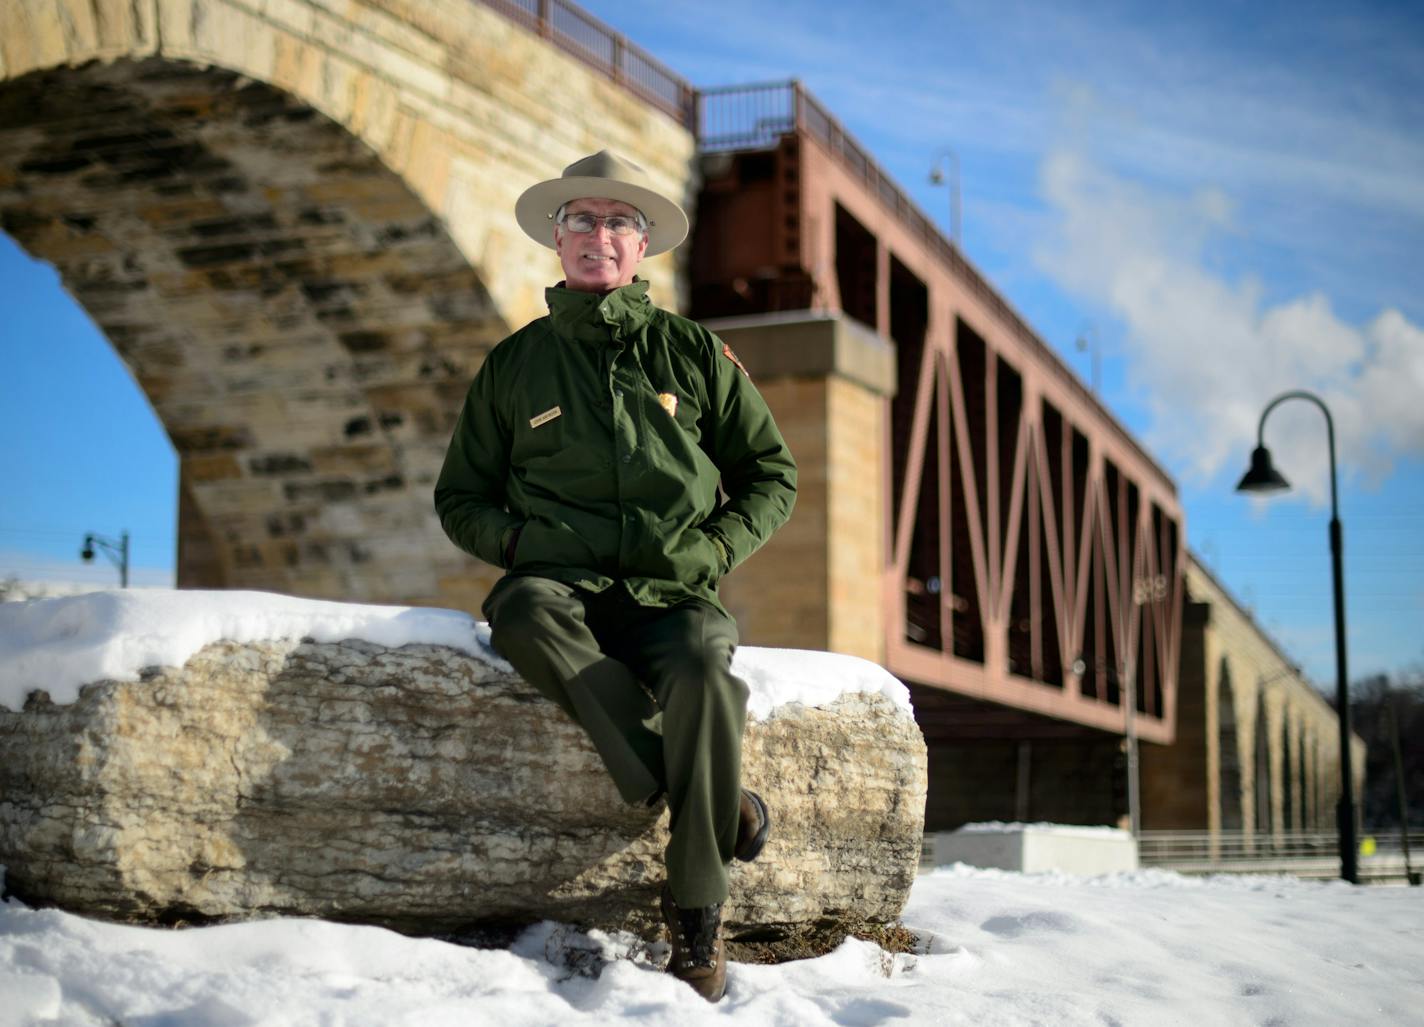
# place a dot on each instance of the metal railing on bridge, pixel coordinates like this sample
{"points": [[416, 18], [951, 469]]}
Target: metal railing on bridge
{"points": [[1301, 854], [579, 33]]}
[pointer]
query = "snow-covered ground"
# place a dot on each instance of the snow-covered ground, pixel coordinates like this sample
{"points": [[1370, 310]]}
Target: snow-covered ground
{"points": [[997, 948], [1000, 948]]}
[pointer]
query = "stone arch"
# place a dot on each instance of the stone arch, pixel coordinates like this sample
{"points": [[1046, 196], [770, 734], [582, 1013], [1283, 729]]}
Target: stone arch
{"points": [[294, 223], [1229, 751], [300, 322]]}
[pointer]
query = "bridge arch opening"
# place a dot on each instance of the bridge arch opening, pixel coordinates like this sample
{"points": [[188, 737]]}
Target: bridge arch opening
{"points": [[1261, 778], [63, 479], [303, 326], [1290, 815], [1229, 754]]}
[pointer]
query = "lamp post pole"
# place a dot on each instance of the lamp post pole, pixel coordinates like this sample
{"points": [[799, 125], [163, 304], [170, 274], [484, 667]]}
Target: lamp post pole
{"points": [[1087, 342], [937, 178], [1134, 786], [1125, 676], [1262, 477], [116, 551]]}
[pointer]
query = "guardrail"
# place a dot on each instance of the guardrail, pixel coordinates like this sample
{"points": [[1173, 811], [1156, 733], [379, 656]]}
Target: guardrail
{"points": [[1303, 854], [746, 117], [1310, 855], [579, 33]]}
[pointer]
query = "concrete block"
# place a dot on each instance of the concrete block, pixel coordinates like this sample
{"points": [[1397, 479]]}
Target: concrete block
{"points": [[1034, 848]]}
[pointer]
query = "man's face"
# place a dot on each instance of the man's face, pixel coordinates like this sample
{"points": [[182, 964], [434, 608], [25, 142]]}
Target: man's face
{"points": [[599, 261]]}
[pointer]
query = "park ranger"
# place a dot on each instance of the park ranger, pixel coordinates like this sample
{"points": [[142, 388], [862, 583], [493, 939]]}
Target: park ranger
{"points": [[617, 461]]}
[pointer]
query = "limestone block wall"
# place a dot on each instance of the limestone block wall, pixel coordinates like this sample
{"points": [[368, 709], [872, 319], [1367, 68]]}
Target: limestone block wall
{"points": [[779, 596], [294, 221], [857, 429], [1269, 742], [817, 583]]}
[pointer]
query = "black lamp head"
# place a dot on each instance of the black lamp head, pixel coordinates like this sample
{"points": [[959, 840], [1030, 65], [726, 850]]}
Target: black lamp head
{"points": [[1262, 477]]}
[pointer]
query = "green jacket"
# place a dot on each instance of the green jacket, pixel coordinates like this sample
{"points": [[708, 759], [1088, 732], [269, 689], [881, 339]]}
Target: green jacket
{"points": [[600, 434]]}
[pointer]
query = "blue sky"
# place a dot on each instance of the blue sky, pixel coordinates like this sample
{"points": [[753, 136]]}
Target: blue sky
{"points": [[1228, 196]]}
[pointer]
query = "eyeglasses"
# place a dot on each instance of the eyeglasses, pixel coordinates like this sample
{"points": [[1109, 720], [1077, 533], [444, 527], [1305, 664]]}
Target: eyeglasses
{"points": [[617, 224]]}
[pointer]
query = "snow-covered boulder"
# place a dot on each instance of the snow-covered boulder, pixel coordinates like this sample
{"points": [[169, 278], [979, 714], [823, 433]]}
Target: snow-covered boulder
{"points": [[232, 755]]}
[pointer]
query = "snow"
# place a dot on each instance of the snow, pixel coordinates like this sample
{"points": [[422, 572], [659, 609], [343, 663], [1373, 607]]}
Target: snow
{"points": [[996, 947], [60, 644], [1018, 827], [1147, 947], [779, 678]]}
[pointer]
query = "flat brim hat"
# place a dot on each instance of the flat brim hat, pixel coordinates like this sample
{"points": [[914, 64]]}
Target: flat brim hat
{"points": [[604, 176]]}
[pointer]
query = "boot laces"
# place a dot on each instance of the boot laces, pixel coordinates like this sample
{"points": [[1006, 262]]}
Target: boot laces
{"points": [[699, 933]]}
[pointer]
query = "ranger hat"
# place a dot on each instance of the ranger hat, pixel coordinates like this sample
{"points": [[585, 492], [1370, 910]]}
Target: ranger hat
{"points": [[604, 176]]}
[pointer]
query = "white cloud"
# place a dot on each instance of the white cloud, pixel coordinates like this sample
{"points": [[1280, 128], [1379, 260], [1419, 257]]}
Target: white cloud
{"points": [[1207, 353], [1394, 378]]}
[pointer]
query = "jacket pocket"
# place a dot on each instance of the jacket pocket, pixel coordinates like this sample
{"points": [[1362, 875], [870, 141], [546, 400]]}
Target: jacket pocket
{"points": [[702, 561], [544, 543]]}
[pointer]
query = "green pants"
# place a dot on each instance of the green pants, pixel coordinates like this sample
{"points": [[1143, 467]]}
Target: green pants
{"points": [[654, 690]]}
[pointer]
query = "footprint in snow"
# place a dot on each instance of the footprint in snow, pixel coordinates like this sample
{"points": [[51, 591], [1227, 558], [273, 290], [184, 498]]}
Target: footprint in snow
{"points": [[1011, 926]]}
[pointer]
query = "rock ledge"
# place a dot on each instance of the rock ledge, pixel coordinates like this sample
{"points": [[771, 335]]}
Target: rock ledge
{"points": [[428, 791]]}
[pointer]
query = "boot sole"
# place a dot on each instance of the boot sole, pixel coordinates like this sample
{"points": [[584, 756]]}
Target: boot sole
{"points": [[752, 849]]}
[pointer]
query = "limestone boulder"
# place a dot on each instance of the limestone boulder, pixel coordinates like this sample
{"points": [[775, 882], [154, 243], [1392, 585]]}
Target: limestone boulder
{"points": [[427, 790]]}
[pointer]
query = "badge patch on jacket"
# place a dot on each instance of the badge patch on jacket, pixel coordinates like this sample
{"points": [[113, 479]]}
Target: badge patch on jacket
{"points": [[727, 352], [668, 401], [545, 417]]}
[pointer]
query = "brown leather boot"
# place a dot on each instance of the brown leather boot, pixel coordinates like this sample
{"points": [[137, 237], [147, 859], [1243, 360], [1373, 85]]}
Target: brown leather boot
{"points": [[698, 955], [753, 825]]}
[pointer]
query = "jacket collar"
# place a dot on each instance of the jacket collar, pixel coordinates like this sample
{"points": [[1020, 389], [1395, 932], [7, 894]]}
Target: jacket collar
{"points": [[595, 318]]}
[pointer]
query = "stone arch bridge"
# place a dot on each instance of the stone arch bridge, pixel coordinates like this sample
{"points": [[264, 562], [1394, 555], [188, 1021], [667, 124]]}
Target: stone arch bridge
{"points": [[293, 219], [1259, 747]]}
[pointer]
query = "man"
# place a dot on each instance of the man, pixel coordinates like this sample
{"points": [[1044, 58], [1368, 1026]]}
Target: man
{"points": [[587, 462]]}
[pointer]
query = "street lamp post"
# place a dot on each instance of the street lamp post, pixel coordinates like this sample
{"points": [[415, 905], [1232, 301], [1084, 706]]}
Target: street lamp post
{"points": [[1125, 677], [1264, 478], [1087, 342], [937, 178], [117, 552], [1134, 766]]}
